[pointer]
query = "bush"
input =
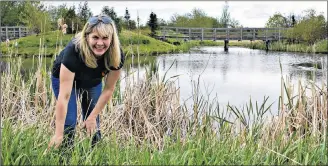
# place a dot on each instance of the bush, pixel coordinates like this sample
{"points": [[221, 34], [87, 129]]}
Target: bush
{"points": [[145, 41]]}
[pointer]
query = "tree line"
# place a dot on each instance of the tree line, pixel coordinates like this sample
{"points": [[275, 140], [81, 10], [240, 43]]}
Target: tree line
{"points": [[40, 18], [309, 27], [36, 15]]}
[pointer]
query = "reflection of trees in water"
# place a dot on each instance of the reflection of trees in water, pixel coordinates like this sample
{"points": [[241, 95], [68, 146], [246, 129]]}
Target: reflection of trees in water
{"points": [[295, 74], [225, 67], [5, 67], [164, 63], [198, 65], [213, 65]]}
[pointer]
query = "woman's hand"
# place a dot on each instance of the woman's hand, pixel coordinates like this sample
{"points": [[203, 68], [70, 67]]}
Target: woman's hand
{"points": [[56, 141], [90, 124]]}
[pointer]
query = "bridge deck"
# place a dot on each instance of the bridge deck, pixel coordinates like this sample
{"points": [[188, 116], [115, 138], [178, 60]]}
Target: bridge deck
{"points": [[222, 33]]}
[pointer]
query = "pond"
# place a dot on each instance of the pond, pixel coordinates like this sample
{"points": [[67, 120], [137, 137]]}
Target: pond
{"points": [[239, 74], [232, 77]]}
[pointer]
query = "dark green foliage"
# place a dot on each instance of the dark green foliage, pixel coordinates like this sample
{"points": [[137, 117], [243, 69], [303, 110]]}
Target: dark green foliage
{"points": [[112, 14], [152, 23], [310, 29], [84, 12]]}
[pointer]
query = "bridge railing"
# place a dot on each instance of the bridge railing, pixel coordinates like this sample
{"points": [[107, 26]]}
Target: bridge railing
{"points": [[222, 33], [13, 32]]}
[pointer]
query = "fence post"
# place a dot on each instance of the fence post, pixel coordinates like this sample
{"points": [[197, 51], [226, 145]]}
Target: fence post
{"points": [[164, 32], [14, 32], [202, 34], [241, 34], [254, 34], [189, 33], [214, 34], [19, 32], [7, 33]]}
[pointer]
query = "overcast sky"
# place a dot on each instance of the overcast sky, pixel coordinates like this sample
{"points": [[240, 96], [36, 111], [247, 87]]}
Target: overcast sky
{"points": [[248, 13]]}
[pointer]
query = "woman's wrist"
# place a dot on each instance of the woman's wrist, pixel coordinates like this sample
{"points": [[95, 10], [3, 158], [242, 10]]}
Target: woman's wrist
{"points": [[92, 115], [59, 128]]}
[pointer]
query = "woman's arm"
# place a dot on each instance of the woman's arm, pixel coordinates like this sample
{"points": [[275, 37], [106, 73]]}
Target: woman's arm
{"points": [[66, 78], [66, 83], [107, 93], [111, 79]]}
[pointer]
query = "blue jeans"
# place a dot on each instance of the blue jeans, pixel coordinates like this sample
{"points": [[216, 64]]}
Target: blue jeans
{"points": [[89, 99]]}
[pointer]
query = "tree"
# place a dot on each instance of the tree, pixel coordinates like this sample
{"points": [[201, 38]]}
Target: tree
{"points": [[127, 18], [309, 29], [138, 20], [84, 12], [70, 18], [152, 23], [313, 29], [34, 15], [162, 22], [277, 21], [225, 17], [112, 14], [234, 23], [196, 18], [132, 25], [293, 20], [9, 13]]}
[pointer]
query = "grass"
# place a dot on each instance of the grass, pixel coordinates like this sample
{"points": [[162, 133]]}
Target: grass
{"points": [[151, 126], [138, 43], [318, 47], [51, 41]]}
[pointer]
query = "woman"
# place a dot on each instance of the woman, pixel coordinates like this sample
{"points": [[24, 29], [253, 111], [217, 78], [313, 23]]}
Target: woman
{"points": [[78, 70]]}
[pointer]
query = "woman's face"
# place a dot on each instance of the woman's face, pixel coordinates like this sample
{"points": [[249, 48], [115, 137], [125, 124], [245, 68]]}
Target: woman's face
{"points": [[98, 44]]}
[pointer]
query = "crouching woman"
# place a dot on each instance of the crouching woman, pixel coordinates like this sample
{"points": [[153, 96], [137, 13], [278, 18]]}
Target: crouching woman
{"points": [[92, 54]]}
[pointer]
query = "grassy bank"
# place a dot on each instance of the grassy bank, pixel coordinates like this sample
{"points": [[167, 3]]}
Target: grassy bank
{"points": [[160, 130], [136, 43], [133, 43], [320, 47]]}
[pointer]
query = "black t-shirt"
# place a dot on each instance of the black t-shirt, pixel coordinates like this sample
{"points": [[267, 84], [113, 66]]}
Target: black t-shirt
{"points": [[85, 77]]}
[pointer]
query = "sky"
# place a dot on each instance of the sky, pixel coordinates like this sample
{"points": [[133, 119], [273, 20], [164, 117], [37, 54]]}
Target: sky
{"points": [[248, 13]]}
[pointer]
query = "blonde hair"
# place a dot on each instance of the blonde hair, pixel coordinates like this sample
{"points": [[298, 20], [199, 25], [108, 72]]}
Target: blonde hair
{"points": [[112, 56]]}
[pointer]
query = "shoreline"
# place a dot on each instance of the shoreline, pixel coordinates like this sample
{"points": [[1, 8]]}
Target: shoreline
{"points": [[168, 52]]}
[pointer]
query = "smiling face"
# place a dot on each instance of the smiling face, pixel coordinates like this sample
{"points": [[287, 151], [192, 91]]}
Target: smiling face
{"points": [[99, 44]]}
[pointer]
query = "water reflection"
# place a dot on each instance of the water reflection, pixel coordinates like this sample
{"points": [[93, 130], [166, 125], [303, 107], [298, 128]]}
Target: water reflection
{"points": [[240, 73]]}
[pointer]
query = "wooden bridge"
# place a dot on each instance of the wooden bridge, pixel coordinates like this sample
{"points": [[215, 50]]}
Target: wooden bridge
{"points": [[265, 34], [13, 32]]}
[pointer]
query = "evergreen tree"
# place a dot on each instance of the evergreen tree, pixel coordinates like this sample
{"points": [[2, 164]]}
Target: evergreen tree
{"points": [[84, 12], [127, 18], [152, 23], [70, 19], [138, 20], [112, 14], [293, 21]]}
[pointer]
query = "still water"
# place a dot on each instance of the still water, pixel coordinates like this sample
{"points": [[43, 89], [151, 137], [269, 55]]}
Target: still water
{"points": [[232, 77], [239, 74]]}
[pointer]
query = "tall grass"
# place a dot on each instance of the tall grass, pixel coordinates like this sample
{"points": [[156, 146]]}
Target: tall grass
{"points": [[150, 126], [319, 47]]}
